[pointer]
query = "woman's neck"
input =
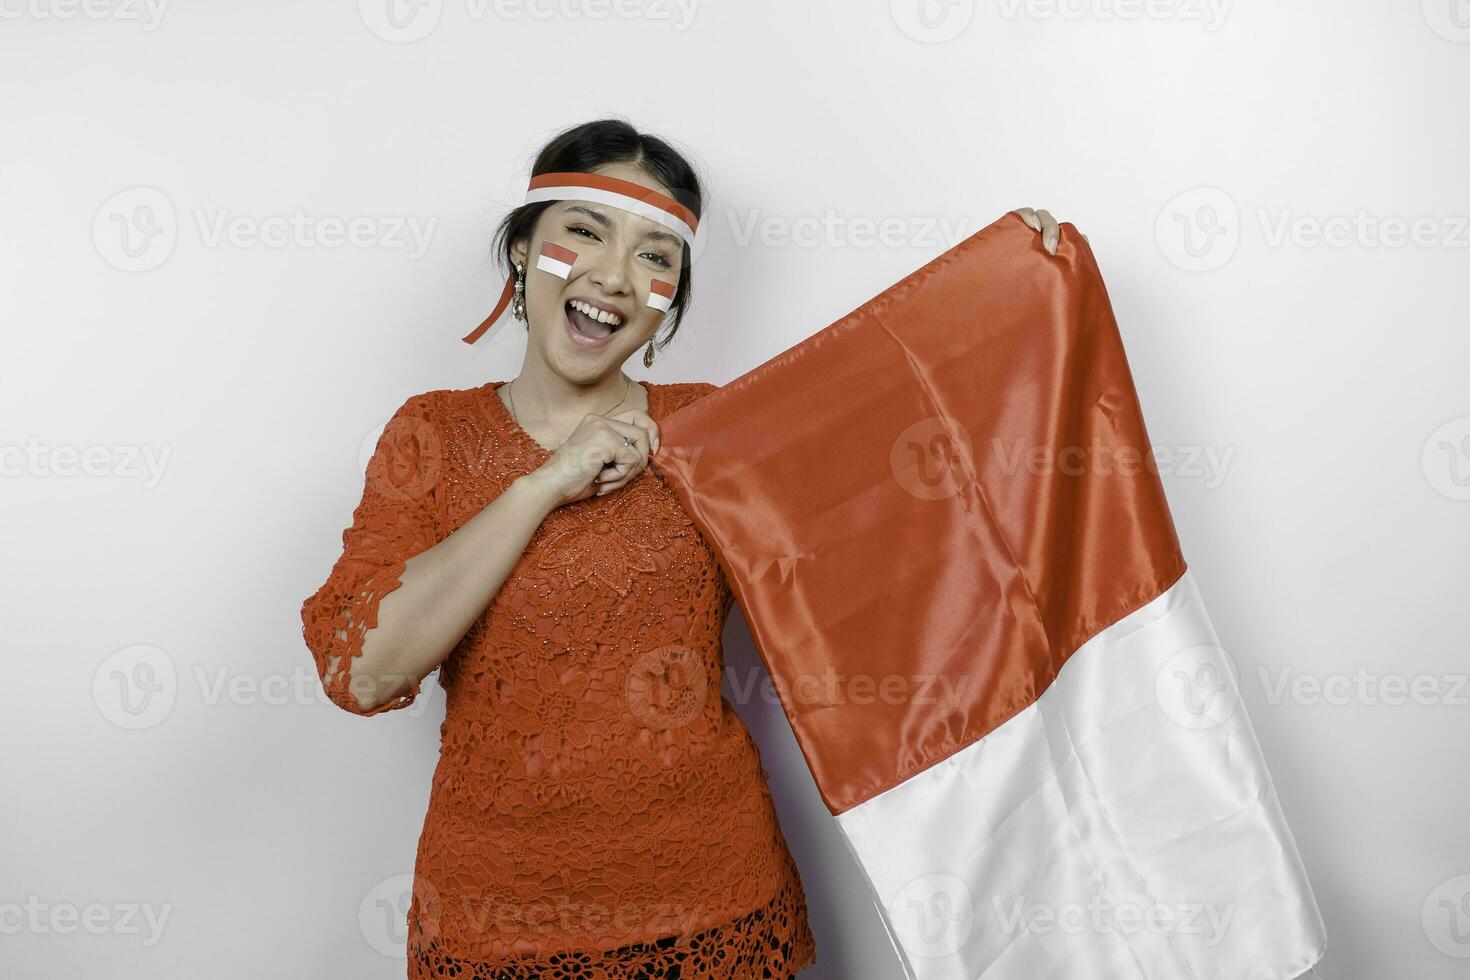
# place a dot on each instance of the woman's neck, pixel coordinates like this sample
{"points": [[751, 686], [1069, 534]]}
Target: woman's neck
{"points": [[550, 402]]}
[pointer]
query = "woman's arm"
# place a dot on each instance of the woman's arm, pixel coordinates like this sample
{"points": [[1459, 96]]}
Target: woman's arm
{"points": [[444, 589]]}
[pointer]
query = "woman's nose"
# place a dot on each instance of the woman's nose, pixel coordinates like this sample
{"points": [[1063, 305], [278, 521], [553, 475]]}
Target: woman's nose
{"points": [[612, 271]]}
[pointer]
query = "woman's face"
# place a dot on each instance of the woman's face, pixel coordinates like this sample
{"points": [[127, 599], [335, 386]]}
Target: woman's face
{"points": [[618, 255]]}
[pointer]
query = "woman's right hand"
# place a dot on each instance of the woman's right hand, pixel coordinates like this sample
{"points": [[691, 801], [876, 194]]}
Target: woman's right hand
{"points": [[595, 459]]}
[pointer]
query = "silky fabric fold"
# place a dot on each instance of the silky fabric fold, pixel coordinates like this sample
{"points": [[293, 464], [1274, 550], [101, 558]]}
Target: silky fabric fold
{"points": [[906, 490], [943, 522]]}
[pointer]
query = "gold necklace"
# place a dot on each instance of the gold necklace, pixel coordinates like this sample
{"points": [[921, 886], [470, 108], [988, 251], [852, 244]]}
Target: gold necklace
{"points": [[510, 394]]}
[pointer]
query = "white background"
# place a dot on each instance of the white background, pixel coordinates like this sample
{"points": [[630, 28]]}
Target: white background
{"points": [[1311, 388]]}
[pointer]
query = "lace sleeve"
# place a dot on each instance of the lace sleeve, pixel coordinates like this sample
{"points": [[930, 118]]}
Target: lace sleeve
{"points": [[397, 518]]}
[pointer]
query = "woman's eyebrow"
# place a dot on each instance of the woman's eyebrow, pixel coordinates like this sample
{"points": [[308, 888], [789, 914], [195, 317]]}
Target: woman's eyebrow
{"points": [[606, 222], [663, 236], [595, 215]]}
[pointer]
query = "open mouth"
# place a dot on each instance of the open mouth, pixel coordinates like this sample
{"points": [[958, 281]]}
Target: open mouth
{"points": [[589, 323]]}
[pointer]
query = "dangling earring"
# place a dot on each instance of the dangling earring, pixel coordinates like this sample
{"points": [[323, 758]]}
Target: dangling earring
{"points": [[648, 355], [518, 305]]}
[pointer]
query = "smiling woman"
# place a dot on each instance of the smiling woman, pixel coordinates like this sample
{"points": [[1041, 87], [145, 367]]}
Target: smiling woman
{"points": [[599, 809]]}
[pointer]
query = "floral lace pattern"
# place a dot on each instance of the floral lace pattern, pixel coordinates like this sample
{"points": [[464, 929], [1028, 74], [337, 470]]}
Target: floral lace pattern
{"points": [[598, 810], [771, 943]]}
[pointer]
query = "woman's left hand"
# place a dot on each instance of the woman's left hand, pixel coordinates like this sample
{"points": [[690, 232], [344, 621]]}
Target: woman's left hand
{"points": [[1043, 222]]}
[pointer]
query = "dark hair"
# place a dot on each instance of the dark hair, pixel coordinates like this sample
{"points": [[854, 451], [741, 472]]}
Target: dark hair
{"points": [[584, 148]]}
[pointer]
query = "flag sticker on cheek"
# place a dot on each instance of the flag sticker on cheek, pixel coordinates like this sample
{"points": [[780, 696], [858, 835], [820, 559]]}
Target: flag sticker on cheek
{"points": [[661, 295], [556, 259]]}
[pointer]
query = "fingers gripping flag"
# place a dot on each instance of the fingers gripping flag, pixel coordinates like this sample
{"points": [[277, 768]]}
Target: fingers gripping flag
{"points": [[941, 520]]}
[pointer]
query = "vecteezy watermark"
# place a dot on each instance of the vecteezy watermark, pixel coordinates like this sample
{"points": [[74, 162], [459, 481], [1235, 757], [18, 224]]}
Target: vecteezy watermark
{"points": [[1450, 19], [135, 687], [933, 915], [138, 229], [936, 21], [499, 918], [403, 458], [38, 917], [407, 233], [1199, 230], [1210, 14], [122, 461], [147, 14], [1196, 687], [929, 458], [1362, 229], [139, 686], [932, 21], [830, 687], [1365, 687], [1207, 463], [406, 21], [382, 915], [1446, 917], [400, 21], [666, 687], [833, 230], [1203, 919], [1445, 458], [223, 684]]}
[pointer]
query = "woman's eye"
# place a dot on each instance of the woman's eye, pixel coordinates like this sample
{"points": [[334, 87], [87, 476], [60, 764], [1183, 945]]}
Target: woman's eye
{"points": [[581, 228], [663, 262]]}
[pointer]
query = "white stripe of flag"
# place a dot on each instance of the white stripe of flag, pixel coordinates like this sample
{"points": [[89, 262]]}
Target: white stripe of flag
{"points": [[556, 259]]}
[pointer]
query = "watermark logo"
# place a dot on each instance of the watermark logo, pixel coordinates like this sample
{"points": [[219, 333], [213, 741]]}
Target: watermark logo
{"points": [[832, 230], [38, 917], [1199, 229], [147, 14], [1365, 687], [400, 21], [828, 687], [382, 915], [124, 461], [1097, 917], [678, 13], [136, 687], [928, 458], [667, 687], [406, 21], [1446, 459], [407, 459], [136, 230], [1208, 463], [1450, 19], [1208, 13], [1446, 917], [933, 916], [1196, 687], [1362, 229], [932, 21]]}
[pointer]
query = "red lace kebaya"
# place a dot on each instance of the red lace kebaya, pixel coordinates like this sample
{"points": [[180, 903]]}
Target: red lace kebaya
{"points": [[598, 809]]}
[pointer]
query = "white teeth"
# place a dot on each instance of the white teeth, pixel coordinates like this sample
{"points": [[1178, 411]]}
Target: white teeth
{"points": [[601, 316]]}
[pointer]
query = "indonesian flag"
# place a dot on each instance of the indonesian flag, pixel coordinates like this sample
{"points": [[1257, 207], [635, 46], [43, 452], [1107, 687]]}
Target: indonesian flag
{"points": [[941, 519], [556, 259], [661, 294]]}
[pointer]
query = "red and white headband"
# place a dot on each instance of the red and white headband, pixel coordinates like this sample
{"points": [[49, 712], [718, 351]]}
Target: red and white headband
{"points": [[614, 192]]}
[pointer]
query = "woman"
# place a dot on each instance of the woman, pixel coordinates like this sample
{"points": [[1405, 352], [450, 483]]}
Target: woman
{"points": [[597, 810]]}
